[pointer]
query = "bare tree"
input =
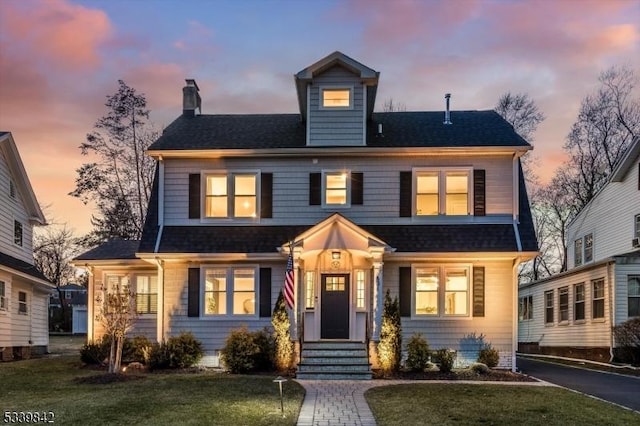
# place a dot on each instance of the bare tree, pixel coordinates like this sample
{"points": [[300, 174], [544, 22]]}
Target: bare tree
{"points": [[119, 182], [391, 106]]}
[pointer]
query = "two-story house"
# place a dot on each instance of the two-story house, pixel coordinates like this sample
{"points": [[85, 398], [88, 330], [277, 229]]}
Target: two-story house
{"points": [[431, 206], [24, 290], [572, 313]]}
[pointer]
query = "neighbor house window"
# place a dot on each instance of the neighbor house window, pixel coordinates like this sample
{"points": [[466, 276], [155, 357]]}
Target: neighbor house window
{"points": [[548, 307], [597, 298], [309, 290], [450, 299], [588, 248], [525, 308], [637, 226], [17, 233], [336, 98], [147, 294], [563, 304], [336, 188], [442, 192], [12, 189], [3, 299], [230, 290], [577, 252], [22, 303], [233, 195], [633, 283], [360, 289], [578, 302]]}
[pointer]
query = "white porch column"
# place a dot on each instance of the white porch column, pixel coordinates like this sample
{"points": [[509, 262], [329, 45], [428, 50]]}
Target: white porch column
{"points": [[160, 309], [91, 315], [296, 296], [377, 300]]}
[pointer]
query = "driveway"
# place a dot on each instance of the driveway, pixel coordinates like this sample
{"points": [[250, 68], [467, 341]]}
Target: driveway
{"points": [[616, 388], [66, 344]]}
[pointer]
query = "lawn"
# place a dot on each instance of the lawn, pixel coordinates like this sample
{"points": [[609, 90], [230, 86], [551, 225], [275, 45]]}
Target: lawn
{"points": [[52, 385], [470, 404]]}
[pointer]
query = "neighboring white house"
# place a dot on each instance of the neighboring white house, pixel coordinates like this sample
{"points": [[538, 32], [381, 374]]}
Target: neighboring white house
{"points": [[24, 291], [431, 206], [572, 313]]}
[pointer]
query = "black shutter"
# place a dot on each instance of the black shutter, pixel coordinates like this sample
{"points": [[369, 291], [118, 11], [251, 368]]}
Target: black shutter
{"points": [[194, 196], [193, 296], [405, 292], [357, 196], [405, 194], [266, 195], [479, 193], [478, 291], [265, 292], [315, 189]]}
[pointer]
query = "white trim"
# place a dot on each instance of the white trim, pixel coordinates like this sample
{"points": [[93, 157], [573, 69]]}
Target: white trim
{"points": [[323, 185], [229, 290], [442, 192], [364, 114], [442, 269], [229, 175], [335, 87]]}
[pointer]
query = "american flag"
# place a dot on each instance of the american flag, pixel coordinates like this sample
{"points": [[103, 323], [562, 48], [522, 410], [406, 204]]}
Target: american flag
{"points": [[289, 288]]}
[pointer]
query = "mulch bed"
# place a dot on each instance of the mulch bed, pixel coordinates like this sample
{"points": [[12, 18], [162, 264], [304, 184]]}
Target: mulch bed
{"points": [[492, 376]]}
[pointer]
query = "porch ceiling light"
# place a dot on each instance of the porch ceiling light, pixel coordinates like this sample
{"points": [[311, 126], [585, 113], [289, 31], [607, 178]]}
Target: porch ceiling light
{"points": [[335, 255]]}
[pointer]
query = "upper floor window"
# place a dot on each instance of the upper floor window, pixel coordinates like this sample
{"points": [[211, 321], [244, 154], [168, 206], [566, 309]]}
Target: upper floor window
{"points": [[563, 304], [230, 290], [548, 307], [434, 299], [336, 98], [597, 298], [577, 252], [525, 308], [146, 294], [22, 303], [17, 233], [336, 188], [3, 299], [578, 302], [12, 189], [232, 195], [633, 284], [588, 248], [442, 192], [637, 226]]}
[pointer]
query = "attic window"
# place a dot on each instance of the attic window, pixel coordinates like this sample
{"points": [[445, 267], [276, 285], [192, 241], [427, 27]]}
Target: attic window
{"points": [[336, 98]]}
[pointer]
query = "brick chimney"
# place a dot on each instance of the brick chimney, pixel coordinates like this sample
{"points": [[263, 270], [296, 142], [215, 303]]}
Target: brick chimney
{"points": [[191, 102]]}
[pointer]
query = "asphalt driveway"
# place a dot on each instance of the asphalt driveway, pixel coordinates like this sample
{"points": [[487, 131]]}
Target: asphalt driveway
{"points": [[616, 388]]}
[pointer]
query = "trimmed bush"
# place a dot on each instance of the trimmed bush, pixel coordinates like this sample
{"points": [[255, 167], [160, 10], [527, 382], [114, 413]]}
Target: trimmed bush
{"points": [[417, 353], [489, 356], [180, 351], [93, 353], [264, 359], [390, 346], [479, 368], [141, 349], [627, 336], [283, 352], [445, 360], [240, 351]]}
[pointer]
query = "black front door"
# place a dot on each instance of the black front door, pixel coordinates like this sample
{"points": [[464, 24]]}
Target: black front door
{"points": [[335, 307]]}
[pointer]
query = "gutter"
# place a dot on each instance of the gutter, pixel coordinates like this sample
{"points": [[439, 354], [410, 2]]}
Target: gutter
{"points": [[160, 203]]}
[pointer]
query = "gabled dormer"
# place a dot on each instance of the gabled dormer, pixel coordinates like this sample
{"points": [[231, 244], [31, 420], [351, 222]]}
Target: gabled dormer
{"points": [[336, 97]]}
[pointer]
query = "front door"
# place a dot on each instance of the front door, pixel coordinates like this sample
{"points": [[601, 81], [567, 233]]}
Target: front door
{"points": [[334, 306]]}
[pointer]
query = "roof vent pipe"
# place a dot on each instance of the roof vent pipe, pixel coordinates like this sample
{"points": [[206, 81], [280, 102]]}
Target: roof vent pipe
{"points": [[379, 128], [447, 114]]}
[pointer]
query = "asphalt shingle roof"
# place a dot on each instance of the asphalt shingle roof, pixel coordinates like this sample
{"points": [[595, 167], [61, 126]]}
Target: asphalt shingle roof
{"points": [[113, 249], [400, 129], [21, 266]]}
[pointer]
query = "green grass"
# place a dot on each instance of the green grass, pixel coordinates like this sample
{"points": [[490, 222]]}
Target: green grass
{"points": [[458, 404], [157, 399]]}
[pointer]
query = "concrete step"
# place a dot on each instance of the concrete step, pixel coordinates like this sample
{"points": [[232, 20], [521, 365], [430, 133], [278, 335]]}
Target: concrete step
{"points": [[333, 376], [334, 368], [313, 360], [334, 360], [334, 344], [333, 352]]}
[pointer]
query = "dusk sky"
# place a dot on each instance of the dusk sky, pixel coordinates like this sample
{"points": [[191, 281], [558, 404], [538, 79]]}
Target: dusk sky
{"points": [[59, 59]]}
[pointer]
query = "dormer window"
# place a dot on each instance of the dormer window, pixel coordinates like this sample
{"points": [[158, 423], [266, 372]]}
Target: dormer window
{"points": [[336, 98]]}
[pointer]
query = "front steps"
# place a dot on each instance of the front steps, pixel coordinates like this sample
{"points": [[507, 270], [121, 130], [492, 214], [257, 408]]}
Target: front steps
{"points": [[334, 360]]}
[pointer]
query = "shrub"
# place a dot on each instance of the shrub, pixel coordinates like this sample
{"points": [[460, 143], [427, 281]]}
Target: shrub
{"points": [[479, 368], [141, 349], [283, 355], [417, 353], [264, 358], [390, 346], [489, 356], [627, 335], [180, 351], [159, 356], [240, 350], [93, 353], [445, 359]]}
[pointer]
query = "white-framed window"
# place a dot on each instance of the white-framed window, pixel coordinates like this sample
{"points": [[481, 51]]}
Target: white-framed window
{"points": [[23, 306], [577, 252], [336, 188], [633, 285], [361, 289], [563, 304], [597, 299], [588, 248], [231, 195], [309, 290], [636, 226], [3, 298], [17, 233], [548, 307], [146, 293], [443, 192], [336, 97], [229, 291], [525, 308], [578, 302], [442, 291]]}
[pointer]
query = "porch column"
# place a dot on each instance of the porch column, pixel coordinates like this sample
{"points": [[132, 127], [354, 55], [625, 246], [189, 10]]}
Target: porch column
{"points": [[296, 297], [377, 301], [160, 303]]}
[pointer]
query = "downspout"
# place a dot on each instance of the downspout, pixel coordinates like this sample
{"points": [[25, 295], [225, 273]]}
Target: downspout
{"points": [[160, 203], [612, 308], [514, 314], [90, 303]]}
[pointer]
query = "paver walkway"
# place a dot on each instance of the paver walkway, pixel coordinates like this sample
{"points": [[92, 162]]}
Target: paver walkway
{"points": [[341, 402]]}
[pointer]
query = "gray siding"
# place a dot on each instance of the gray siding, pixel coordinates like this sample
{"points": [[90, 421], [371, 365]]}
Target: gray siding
{"points": [[622, 272]]}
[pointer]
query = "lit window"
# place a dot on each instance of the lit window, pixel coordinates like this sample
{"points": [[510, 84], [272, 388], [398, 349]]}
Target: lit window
{"points": [[633, 283], [525, 308], [588, 248], [577, 252], [22, 303], [234, 195], [3, 299], [336, 98], [215, 292], [563, 304], [548, 307], [335, 283], [578, 302], [17, 233], [336, 188], [244, 296], [360, 289], [598, 299], [146, 294], [442, 192], [230, 291], [310, 290], [431, 298]]}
